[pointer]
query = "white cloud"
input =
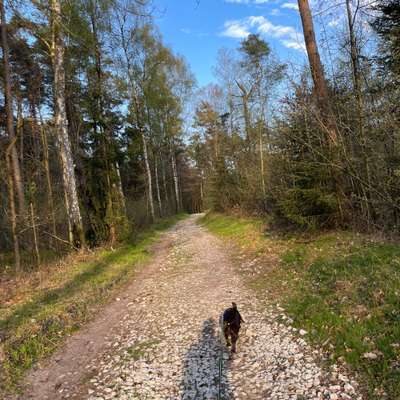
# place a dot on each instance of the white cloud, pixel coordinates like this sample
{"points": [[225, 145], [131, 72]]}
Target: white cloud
{"points": [[290, 5], [287, 35], [235, 29], [257, 21], [275, 12], [290, 44]]}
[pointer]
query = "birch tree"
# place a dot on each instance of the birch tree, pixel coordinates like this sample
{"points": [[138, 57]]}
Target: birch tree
{"points": [[76, 233]]}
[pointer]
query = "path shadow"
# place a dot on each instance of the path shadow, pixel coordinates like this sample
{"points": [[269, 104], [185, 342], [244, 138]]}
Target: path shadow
{"points": [[202, 378]]}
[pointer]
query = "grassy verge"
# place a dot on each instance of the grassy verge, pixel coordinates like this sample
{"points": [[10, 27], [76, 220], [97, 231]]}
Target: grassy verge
{"points": [[343, 288], [34, 322]]}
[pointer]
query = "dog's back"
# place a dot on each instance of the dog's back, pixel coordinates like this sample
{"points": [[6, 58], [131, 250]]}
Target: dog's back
{"points": [[232, 316], [230, 325]]}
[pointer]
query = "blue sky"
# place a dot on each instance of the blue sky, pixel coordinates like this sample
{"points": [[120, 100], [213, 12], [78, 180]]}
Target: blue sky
{"points": [[197, 31]]}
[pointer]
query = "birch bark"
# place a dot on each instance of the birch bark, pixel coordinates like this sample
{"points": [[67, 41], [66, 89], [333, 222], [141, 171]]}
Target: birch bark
{"points": [[148, 173], [176, 181], [158, 186], [60, 117]]}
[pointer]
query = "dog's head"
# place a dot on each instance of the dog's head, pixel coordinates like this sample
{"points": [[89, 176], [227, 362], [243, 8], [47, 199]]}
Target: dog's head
{"points": [[232, 315]]}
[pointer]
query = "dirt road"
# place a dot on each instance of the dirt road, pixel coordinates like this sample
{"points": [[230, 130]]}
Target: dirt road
{"points": [[161, 339]]}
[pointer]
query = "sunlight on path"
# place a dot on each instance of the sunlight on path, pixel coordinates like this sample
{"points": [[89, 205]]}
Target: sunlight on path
{"points": [[169, 344]]}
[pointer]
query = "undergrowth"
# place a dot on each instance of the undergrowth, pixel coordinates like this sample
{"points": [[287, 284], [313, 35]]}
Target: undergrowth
{"points": [[343, 288], [35, 322]]}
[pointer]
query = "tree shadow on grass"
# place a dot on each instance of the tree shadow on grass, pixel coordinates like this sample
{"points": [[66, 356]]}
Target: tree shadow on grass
{"points": [[204, 377], [96, 272], [51, 297]]}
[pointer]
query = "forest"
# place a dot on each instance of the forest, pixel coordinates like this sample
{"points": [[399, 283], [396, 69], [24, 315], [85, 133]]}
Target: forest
{"points": [[105, 131], [107, 139], [317, 150], [92, 139]]}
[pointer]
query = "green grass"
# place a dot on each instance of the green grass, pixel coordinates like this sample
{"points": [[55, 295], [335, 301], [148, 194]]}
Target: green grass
{"points": [[342, 288], [245, 231], [34, 327]]}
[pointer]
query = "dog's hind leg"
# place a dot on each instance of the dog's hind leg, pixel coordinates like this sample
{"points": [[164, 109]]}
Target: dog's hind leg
{"points": [[227, 331], [234, 336]]}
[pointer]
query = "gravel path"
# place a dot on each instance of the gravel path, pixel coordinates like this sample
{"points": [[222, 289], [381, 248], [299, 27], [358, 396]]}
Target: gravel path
{"points": [[167, 342]]}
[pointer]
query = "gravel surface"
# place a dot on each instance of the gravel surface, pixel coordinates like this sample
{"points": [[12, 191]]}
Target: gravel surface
{"points": [[167, 343]]}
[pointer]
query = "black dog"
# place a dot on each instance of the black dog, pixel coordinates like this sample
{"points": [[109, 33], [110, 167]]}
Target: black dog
{"points": [[231, 320]]}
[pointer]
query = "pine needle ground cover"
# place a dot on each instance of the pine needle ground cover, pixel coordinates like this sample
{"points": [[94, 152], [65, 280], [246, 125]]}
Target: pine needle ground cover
{"points": [[342, 288], [35, 320]]}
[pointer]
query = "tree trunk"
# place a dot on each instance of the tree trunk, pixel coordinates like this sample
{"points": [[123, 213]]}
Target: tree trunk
{"points": [[149, 180], [138, 110], [16, 171], [157, 186], [360, 108], [231, 111], [317, 72], [246, 118], [13, 213], [262, 171], [110, 215], [114, 186], [201, 189], [176, 181], [246, 112], [165, 184], [322, 95], [70, 227], [35, 236], [120, 189], [68, 172], [46, 165], [20, 131], [355, 65]]}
